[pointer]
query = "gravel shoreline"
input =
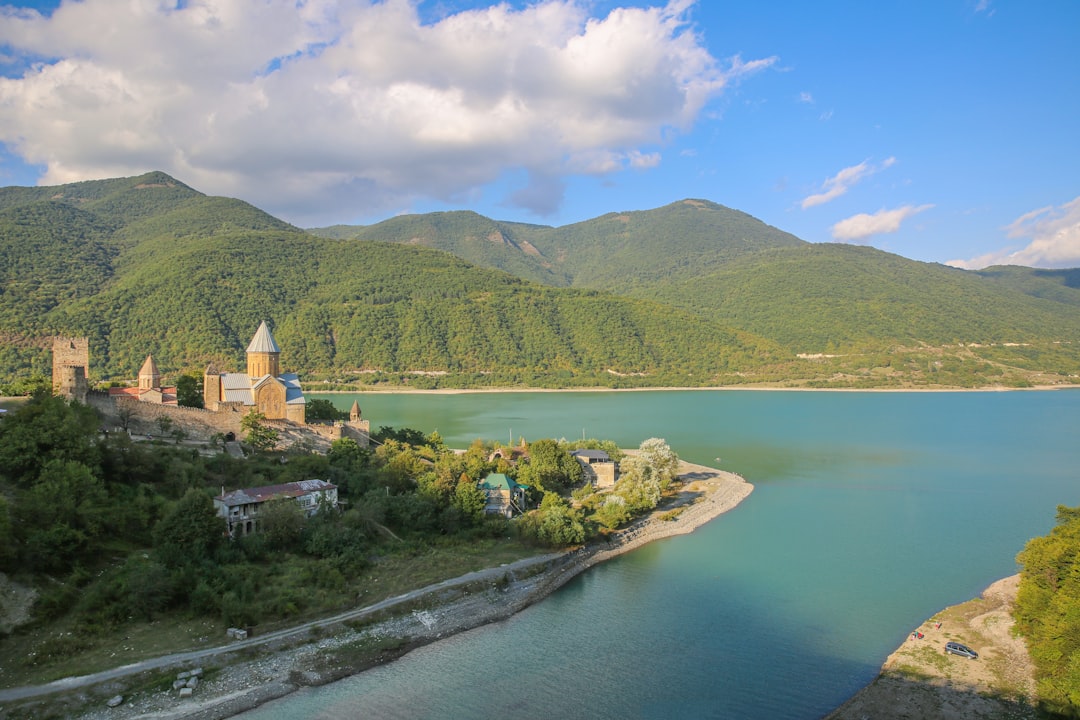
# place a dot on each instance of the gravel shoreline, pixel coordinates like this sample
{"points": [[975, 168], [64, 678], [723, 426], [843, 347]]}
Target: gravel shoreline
{"points": [[240, 682], [919, 681]]}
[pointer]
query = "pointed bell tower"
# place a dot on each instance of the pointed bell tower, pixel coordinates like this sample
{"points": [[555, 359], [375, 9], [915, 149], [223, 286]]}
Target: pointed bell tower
{"points": [[263, 354], [149, 376]]}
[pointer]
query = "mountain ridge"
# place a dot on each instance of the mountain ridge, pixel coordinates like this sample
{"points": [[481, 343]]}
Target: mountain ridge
{"points": [[692, 293]]}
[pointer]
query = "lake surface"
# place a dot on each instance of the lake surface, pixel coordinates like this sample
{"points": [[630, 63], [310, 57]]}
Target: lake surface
{"points": [[871, 512]]}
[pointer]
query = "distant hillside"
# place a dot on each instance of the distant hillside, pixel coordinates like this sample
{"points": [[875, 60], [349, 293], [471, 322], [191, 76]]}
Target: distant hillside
{"points": [[820, 297], [692, 293], [729, 267], [148, 265], [684, 239]]}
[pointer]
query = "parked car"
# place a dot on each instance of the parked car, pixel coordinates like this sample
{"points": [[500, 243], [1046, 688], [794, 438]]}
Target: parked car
{"points": [[956, 648]]}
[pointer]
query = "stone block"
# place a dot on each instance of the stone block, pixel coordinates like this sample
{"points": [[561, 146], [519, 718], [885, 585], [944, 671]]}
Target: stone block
{"points": [[186, 692]]}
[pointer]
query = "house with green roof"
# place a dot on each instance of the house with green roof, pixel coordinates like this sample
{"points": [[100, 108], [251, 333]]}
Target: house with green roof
{"points": [[504, 496]]}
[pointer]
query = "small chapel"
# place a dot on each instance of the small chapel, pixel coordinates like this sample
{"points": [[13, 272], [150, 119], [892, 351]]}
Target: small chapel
{"points": [[263, 388]]}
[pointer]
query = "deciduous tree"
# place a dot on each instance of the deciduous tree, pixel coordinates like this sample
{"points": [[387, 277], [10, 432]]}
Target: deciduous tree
{"points": [[189, 531], [259, 436]]}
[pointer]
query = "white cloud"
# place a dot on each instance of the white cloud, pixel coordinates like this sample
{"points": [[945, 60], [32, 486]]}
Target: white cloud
{"points": [[1054, 240], [861, 226], [305, 106], [805, 97], [844, 180]]}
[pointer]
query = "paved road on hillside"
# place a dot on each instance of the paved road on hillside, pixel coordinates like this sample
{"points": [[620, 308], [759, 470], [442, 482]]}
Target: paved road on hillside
{"points": [[193, 656]]}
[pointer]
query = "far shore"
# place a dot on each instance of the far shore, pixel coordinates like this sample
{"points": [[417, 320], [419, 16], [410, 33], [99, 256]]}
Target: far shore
{"points": [[402, 390], [315, 654]]}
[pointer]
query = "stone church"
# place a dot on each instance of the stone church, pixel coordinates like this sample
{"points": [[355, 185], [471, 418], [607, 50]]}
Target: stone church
{"points": [[263, 388]]}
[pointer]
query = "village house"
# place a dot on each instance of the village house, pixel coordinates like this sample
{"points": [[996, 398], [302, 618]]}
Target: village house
{"points": [[504, 496], [240, 508], [599, 468]]}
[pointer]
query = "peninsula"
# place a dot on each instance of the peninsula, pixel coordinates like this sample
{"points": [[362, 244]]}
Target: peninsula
{"points": [[248, 673]]}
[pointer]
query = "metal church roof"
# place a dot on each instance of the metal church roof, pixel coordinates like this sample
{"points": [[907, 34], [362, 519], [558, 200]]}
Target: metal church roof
{"points": [[263, 342]]}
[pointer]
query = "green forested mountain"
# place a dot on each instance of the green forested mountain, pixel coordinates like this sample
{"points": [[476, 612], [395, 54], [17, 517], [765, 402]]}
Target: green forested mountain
{"points": [[188, 278], [689, 294], [849, 296], [727, 266], [643, 248]]}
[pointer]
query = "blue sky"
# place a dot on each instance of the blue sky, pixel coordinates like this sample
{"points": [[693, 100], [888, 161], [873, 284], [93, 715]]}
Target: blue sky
{"points": [[941, 130]]}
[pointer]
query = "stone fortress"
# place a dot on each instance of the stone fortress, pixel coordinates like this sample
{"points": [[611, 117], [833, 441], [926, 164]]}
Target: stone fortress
{"points": [[262, 388], [227, 398]]}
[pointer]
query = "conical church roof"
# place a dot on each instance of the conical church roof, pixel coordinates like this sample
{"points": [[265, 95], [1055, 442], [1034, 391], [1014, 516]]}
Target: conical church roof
{"points": [[263, 342], [149, 367]]}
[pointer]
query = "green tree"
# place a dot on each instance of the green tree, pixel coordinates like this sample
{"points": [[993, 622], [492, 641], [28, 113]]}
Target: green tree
{"points": [[259, 436], [662, 459], [7, 537], [612, 513], [320, 410], [469, 499], [189, 532], [189, 391], [147, 587], [550, 467], [66, 507], [1047, 612], [638, 484], [282, 521], [554, 523], [47, 428]]}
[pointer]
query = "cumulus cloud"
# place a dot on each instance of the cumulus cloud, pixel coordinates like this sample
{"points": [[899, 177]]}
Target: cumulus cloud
{"points": [[844, 180], [863, 225], [1053, 235], [308, 106]]}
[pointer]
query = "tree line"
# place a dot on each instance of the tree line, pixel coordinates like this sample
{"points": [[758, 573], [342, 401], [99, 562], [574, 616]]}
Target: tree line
{"points": [[1047, 612]]}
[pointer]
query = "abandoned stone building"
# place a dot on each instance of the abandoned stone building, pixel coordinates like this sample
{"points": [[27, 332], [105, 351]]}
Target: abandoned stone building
{"points": [[241, 508]]}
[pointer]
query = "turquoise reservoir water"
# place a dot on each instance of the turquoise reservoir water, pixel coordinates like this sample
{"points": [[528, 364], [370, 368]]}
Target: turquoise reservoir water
{"points": [[871, 511]]}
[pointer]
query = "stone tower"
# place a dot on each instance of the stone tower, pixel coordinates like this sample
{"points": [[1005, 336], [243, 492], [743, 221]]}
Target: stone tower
{"points": [[263, 354], [211, 388], [71, 366], [354, 412], [149, 377]]}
